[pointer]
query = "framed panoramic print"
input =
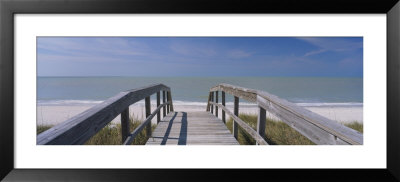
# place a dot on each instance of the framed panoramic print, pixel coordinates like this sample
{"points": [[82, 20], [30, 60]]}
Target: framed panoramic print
{"points": [[183, 90]]}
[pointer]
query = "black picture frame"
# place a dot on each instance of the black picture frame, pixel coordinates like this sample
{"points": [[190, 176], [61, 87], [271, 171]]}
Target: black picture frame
{"points": [[8, 8]]}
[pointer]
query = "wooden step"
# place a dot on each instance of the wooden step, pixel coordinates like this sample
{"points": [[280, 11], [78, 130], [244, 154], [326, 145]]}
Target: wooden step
{"points": [[191, 128]]}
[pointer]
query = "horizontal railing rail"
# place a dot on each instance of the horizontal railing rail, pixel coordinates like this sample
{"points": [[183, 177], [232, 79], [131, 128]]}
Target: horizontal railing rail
{"points": [[148, 119], [259, 139], [80, 128], [315, 127]]}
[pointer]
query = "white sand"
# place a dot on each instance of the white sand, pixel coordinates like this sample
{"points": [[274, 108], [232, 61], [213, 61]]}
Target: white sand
{"points": [[52, 115], [342, 114]]}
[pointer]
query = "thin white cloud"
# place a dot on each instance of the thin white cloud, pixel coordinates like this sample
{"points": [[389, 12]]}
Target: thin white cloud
{"points": [[331, 44], [315, 52], [61, 58], [91, 47]]}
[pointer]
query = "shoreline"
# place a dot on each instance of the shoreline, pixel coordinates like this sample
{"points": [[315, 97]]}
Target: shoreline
{"points": [[55, 114]]}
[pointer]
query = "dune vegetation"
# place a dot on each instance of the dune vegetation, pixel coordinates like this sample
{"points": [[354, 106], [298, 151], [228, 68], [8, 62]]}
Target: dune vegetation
{"points": [[111, 133], [277, 132]]}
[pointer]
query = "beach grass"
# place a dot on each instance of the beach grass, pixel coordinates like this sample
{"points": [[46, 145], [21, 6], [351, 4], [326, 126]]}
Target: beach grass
{"points": [[111, 133], [42, 128], [277, 132], [355, 126]]}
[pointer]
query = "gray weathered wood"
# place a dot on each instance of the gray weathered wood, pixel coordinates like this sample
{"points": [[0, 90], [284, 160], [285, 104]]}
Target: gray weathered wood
{"points": [[241, 92], [125, 124], [163, 99], [262, 119], [168, 102], [223, 103], [208, 102], [78, 129], [191, 128], [216, 101], [158, 104], [236, 112], [148, 112], [139, 129], [171, 105], [318, 129], [315, 127], [212, 100], [254, 134]]}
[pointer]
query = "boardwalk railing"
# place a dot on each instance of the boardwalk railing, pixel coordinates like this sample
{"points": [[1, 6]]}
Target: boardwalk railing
{"points": [[79, 129], [317, 128]]}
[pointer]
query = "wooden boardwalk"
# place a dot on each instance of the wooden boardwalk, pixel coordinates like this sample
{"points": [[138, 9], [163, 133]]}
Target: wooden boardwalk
{"points": [[197, 128], [191, 128]]}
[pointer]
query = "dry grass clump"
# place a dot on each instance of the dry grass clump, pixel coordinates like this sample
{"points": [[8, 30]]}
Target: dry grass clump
{"points": [[111, 133], [277, 132]]}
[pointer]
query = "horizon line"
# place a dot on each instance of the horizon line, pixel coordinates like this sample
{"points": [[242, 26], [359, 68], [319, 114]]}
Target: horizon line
{"points": [[192, 76]]}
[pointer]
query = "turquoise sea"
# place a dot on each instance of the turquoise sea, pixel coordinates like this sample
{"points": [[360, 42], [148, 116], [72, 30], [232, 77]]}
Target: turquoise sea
{"points": [[194, 90]]}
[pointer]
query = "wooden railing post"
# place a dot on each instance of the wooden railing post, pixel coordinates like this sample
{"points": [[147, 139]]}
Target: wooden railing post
{"points": [[216, 101], [171, 107], [163, 101], [125, 124], [317, 128], [148, 112], [236, 112], [208, 102], [158, 104], [168, 102], [261, 121], [223, 103], [82, 127], [212, 100]]}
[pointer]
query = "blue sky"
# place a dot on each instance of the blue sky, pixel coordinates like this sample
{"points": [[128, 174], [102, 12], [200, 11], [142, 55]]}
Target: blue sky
{"points": [[200, 56]]}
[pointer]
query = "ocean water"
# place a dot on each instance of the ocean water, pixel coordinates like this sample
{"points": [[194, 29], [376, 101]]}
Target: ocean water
{"points": [[305, 91]]}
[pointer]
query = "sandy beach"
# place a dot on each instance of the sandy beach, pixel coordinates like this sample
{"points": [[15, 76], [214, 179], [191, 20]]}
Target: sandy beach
{"points": [[55, 114]]}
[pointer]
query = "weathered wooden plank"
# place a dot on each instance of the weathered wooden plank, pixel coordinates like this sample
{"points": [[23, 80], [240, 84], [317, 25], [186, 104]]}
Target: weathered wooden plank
{"points": [[163, 98], [212, 100], [260, 140], [194, 140], [194, 128], [171, 106], [175, 142], [199, 134], [221, 137], [195, 137], [142, 126], [315, 127], [216, 101], [236, 112], [262, 119], [208, 101], [158, 104], [191, 134], [148, 112], [241, 92], [318, 129], [168, 110], [223, 103], [125, 124], [81, 127]]}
